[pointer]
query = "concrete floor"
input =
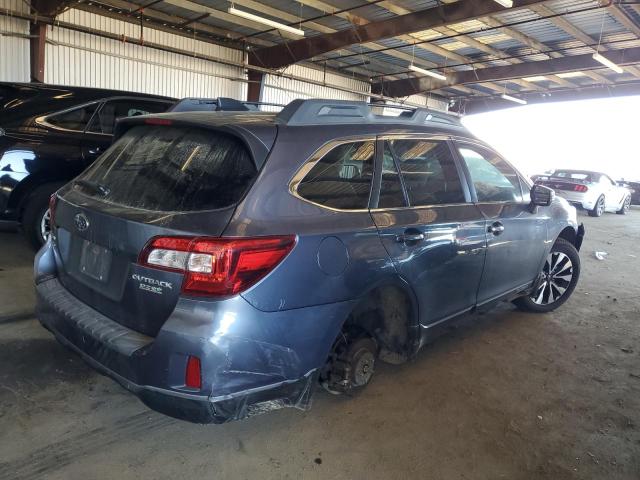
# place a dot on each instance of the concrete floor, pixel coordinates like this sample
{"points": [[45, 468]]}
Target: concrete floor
{"points": [[511, 395]]}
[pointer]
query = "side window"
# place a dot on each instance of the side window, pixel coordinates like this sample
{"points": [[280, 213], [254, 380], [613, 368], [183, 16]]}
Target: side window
{"points": [[390, 188], [105, 120], [75, 119], [342, 178], [429, 172], [492, 177]]}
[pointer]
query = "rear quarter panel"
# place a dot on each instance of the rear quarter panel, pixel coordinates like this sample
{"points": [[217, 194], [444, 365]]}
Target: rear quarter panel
{"points": [[338, 256]]}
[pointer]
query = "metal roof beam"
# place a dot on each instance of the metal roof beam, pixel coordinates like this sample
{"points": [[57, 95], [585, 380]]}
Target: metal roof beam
{"points": [[572, 30], [537, 45], [399, 88], [443, 52], [298, 50]]}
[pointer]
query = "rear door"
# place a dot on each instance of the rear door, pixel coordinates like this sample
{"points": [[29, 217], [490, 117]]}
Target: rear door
{"points": [[154, 181], [516, 237], [432, 231]]}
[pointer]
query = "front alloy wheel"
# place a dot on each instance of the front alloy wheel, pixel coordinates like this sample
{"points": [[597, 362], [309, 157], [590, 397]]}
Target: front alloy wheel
{"points": [[557, 280]]}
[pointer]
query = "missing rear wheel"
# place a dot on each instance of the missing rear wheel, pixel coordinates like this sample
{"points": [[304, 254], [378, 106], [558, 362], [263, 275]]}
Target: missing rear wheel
{"points": [[350, 366]]}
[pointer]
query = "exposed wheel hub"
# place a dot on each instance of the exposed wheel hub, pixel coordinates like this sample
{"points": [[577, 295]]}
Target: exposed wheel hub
{"points": [[363, 369], [350, 365]]}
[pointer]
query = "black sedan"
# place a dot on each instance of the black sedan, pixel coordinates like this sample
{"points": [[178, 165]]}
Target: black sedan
{"points": [[48, 135]]}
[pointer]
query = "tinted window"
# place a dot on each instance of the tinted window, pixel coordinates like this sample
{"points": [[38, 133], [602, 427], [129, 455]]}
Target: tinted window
{"points": [[390, 188], [342, 178], [171, 169], [75, 119], [429, 172], [492, 177], [113, 110]]}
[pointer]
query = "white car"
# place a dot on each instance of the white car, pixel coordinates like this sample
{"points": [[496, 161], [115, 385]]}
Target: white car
{"points": [[592, 191]]}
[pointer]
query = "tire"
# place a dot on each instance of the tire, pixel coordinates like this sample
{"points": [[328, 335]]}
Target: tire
{"points": [[545, 298], [626, 205], [598, 208], [34, 212]]}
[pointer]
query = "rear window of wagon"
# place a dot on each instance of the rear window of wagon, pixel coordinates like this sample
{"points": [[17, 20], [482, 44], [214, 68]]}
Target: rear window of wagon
{"points": [[162, 168]]}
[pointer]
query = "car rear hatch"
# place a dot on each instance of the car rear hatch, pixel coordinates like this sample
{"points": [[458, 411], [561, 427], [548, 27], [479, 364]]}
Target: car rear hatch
{"points": [[156, 180]]}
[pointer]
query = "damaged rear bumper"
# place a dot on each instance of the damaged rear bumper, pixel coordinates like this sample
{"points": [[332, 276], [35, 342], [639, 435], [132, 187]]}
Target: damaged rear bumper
{"points": [[252, 361], [208, 409]]}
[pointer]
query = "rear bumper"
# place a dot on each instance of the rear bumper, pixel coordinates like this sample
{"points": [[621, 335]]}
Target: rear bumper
{"points": [[124, 354], [252, 361], [579, 200]]}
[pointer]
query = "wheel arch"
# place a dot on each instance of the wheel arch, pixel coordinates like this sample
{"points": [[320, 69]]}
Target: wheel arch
{"points": [[572, 235], [389, 312]]}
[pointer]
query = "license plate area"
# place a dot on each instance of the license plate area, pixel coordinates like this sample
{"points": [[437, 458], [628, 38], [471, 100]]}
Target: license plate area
{"points": [[95, 261]]}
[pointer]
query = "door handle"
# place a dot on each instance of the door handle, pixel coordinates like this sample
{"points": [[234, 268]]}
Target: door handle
{"points": [[410, 237], [496, 228]]}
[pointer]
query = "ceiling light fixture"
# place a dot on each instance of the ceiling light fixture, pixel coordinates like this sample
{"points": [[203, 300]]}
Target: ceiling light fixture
{"points": [[607, 63], [513, 99], [505, 3], [571, 74], [265, 21], [437, 75]]}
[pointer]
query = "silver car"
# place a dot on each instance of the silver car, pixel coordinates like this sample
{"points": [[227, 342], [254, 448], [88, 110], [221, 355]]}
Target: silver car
{"points": [[591, 191]]}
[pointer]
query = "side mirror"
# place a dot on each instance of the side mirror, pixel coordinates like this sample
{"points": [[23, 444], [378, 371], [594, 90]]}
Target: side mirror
{"points": [[541, 196]]}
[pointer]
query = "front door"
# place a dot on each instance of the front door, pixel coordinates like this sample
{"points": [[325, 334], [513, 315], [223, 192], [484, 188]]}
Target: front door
{"points": [[516, 237], [428, 225]]}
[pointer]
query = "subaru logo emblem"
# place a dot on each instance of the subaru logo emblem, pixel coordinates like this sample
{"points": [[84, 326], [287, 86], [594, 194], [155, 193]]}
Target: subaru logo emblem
{"points": [[82, 222]]}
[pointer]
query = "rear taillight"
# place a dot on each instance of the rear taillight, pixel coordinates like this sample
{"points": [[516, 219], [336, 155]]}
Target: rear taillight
{"points": [[53, 200], [580, 188], [217, 266]]}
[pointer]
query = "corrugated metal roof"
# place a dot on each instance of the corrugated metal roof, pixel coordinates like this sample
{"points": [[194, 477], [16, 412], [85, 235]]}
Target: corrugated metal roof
{"points": [[585, 15]]}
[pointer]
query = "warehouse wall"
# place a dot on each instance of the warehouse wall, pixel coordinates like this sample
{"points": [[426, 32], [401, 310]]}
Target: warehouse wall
{"points": [[14, 50], [437, 103], [75, 58], [82, 59], [282, 90]]}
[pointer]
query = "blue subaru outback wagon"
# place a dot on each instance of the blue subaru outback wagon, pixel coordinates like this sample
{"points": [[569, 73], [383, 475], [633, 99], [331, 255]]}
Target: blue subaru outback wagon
{"points": [[223, 264]]}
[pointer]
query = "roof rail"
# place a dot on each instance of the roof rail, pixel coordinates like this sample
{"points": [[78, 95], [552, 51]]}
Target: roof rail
{"points": [[326, 112]]}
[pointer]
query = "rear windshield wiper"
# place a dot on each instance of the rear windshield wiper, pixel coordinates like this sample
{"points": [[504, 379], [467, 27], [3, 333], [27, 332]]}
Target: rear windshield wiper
{"points": [[95, 186]]}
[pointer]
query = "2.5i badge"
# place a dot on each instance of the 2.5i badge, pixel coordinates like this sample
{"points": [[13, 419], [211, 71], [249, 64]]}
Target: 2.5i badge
{"points": [[152, 285]]}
